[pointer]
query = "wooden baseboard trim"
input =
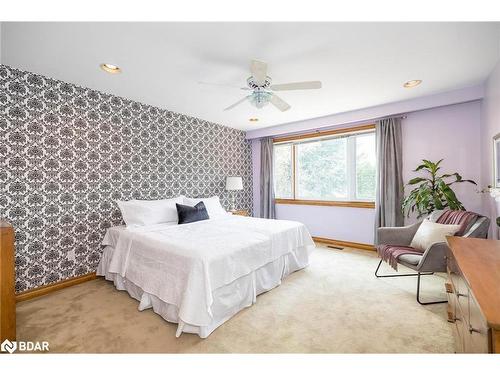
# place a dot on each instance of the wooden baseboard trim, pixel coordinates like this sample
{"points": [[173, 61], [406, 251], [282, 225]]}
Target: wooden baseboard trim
{"points": [[46, 289], [306, 202], [356, 245]]}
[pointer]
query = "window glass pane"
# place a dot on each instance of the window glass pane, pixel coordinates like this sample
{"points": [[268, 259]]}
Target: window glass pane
{"points": [[365, 167], [283, 171], [322, 169]]}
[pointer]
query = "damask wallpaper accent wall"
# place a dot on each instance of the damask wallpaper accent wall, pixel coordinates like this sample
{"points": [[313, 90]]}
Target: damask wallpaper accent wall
{"points": [[67, 153]]}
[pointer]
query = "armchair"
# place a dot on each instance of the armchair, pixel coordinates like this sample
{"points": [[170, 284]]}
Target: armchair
{"points": [[433, 258]]}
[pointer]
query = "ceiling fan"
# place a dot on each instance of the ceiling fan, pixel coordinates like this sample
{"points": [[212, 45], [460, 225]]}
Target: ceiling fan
{"points": [[262, 89]]}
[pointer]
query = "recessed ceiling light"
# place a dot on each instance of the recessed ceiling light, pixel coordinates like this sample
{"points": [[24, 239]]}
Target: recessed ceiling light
{"points": [[110, 68], [412, 83], [253, 119]]}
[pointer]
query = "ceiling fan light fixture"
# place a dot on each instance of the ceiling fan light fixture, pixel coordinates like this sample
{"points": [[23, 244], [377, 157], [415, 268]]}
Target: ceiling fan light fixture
{"points": [[260, 84], [110, 68], [412, 83], [253, 119], [260, 98]]}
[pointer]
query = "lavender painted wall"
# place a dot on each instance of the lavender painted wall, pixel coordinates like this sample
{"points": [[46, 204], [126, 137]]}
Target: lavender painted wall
{"points": [[451, 132], [490, 126], [339, 223]]}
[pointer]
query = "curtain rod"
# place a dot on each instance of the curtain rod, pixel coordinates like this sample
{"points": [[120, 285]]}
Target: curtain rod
{"points": [[327, 128]]}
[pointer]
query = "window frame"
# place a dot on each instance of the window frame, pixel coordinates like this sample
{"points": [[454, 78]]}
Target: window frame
{"points": [[295, 140]]}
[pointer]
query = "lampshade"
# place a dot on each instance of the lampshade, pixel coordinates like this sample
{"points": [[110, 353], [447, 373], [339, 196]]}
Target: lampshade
{"points": [[234, 183]]}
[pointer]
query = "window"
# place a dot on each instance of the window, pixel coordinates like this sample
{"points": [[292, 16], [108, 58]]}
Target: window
{"points": [[329, 168], [365, 166], [322, 169], [282, 157]]}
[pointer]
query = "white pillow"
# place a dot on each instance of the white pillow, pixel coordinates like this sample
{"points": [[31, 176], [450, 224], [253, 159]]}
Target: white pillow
{"points": [[149, 212], [429, 233], [212, 204]]}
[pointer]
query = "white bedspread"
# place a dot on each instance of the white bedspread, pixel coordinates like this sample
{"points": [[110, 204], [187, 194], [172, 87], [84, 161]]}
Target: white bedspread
{"points": [[183, 264]]}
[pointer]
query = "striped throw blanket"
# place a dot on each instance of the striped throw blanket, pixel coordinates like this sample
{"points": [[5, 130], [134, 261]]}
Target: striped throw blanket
{"points": [[391, 253], [462, 218]]}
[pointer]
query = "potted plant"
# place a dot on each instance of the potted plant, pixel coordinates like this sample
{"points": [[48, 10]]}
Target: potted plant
{"points": [[432, 191]]}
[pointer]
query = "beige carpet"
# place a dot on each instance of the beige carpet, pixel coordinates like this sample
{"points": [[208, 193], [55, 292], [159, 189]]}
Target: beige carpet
{"points": [[336, 305]]}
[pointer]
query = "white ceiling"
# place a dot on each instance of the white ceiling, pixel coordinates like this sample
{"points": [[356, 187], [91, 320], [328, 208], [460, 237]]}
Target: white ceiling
{"points": [[360, 64]]}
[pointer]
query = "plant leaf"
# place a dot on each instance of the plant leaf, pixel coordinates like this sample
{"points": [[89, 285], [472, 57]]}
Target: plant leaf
{"points": [[458, 177], [450, 197], [470, 181], [416, 180], [421, 166]]}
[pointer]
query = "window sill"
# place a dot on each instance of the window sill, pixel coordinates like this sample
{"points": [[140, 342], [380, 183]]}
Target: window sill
{"points": [[355, 204]]}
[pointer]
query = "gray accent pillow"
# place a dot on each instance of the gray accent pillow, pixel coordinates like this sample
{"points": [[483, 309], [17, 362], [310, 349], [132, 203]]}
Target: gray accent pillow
{"points": [[189, 214]]}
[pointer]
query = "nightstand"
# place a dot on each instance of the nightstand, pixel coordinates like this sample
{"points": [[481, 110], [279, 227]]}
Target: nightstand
{"points": [[239, 212]]}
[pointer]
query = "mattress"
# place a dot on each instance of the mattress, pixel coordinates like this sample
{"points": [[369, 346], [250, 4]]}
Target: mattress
{"points": [[200, 274]]}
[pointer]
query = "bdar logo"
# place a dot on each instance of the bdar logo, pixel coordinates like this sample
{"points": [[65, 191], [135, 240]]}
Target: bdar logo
{"points": [[24, 346], [8, 346]]}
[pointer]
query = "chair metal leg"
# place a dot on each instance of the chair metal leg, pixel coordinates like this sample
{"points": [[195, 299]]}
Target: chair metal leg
{"points": [[418, 295], [398, 274], [418, 274]]}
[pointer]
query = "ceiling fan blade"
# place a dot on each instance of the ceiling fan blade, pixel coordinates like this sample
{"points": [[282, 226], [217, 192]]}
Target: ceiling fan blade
{"points": [[237, 103], [279, 103], [307, 85], [222, 85], [259, 71]]}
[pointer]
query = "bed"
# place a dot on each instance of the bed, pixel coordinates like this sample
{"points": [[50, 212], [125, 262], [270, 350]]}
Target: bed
{"points": [[200, 274]]}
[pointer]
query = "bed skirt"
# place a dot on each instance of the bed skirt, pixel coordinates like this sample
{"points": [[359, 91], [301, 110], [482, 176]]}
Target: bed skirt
{"points": [[227, 300]]}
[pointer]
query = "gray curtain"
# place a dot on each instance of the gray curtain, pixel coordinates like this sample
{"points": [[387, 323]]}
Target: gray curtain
{"points": [[390, 189], [267, 209]]}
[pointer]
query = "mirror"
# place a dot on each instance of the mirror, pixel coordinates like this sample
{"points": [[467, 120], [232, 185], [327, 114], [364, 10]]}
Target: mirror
{"points": [[496, 161]]}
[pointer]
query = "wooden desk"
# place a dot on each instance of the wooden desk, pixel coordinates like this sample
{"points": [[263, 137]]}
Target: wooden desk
{"points": [[7, 283], [473, 289]]}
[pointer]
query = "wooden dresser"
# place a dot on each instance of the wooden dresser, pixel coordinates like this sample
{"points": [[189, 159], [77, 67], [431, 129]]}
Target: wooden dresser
{"points": [[7, 288], [473, 289]]}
